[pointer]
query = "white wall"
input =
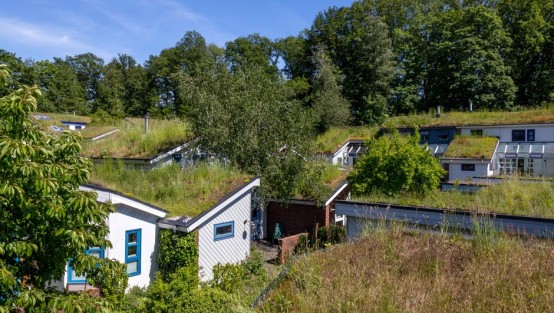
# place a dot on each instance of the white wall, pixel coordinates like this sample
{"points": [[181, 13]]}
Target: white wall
{"points": [[229, 250], [455, 169], [504, 132], [127, 218]]}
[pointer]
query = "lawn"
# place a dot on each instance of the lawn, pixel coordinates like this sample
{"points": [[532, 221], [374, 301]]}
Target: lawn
{"points": [[541, 115], [392, 270], [132, 141], [510, 197], [335, 137], [188, 191]]}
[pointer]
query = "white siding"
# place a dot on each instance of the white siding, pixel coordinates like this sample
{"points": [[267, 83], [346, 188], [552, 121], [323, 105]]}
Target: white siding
{"points": [[127, 218], [543, 133], [229, 250], [455, 169]]}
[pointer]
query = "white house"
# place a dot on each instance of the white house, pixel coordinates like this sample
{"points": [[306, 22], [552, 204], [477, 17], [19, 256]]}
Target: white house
{"points": [[469, 157], [523, 149], [348, 153], [134, 237], [223, 230], [74, 125]]}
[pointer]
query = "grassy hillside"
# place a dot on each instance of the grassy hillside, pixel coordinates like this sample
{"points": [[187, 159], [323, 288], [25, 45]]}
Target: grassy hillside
{"points": [[512, 197], [395, 271], [335, 137], [182, 192], [132, 141]]}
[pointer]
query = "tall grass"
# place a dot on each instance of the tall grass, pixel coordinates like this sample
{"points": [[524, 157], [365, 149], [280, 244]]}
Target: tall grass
{"points": [[513, 196], [399, 271], [471, 147], [182, 192], [540, 115], [132, 141]]}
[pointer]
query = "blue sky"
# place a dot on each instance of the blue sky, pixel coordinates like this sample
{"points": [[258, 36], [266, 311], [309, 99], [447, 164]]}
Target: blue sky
{"points": [[43, 29]]}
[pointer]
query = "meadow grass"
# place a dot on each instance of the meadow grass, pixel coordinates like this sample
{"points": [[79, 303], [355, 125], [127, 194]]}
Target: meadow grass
{"points": [[513, 196], [471, 147], [393, 270], [132, 141], [539, 115], [188, 191], [335, 137]]}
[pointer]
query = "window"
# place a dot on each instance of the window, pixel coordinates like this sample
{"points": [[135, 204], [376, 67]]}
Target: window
{"points": [[468, 167], [224, 230], [78, 127], [132, 251], [518, 135], [424, 135], [530, 135], [72, 277], [444, 136], [476, 132]]}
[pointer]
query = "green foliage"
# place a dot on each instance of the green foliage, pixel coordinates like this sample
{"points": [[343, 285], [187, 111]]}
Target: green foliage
{"points": [[45, 219], [111, 276], [254, 264], [331, 235], [176, 250], [227, 277], [393, 164]]}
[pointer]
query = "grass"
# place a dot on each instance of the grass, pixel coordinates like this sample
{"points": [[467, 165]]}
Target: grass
{"points": [[471, 147], [92, 131], [335, 137], [510, 197], [182, 192], [56, 118], [536, 116], [132, 142], [391, 270]]}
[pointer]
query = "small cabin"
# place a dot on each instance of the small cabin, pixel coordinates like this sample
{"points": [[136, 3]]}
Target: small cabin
{"points": [[75, 125]]}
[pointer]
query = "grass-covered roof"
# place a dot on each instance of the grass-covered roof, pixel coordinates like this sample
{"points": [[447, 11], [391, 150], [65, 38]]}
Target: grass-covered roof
{"points": [[470, 147], [335, 137], [188, 191], [131, 141], [536, 116]]}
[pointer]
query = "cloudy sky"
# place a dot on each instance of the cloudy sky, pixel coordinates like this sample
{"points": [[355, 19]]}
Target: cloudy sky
{"points": [[43, 29]]}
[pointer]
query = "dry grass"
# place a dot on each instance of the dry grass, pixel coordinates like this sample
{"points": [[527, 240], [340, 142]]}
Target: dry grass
{"points": [[182, 192], [92, 131], [395, 271], [132, 142], [335, 137], [537, 116], [510, 197], [471, 147]]}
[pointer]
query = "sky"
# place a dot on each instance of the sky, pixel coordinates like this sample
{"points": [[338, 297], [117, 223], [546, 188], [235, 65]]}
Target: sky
{"points": [[44, 29]]}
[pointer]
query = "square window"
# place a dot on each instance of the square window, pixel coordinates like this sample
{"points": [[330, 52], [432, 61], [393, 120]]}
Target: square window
{"points": [[224, 230], [424, 135], [468, 167], [530, 135], [444, 136], [73, 278], [518, 135], [476, 132]]}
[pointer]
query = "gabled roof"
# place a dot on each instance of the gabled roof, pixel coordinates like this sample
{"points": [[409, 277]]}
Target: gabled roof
{"points": [[187, 224], [114, 197]]}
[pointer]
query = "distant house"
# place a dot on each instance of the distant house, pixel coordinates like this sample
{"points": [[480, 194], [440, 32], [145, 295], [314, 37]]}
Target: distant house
{"points": [[75, 125], [224, 230], [346, 155], [468, 157]]}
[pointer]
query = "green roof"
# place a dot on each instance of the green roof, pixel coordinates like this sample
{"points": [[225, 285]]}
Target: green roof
{"points": [[131, 141], [470, 147], [335, 137], [537, 116], [188, 191]]}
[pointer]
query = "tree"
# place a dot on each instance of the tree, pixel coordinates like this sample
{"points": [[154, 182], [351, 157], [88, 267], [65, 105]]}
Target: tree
{"points": [[359, 45], [45, 220], [253, 50], [64, 92], [245, 117], [393, 165], [466, 62], [90, 70], [331, 108]]}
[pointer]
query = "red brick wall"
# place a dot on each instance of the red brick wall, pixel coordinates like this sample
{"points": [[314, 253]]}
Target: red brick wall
{"points": [[286, 247], [294, 218]]}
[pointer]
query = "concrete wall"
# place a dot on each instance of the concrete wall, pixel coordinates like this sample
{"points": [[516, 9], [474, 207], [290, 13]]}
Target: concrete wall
{"points": [[228, 250]]}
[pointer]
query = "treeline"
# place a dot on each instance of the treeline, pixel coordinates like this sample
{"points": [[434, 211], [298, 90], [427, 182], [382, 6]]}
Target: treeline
{"points": [[354, 65]]}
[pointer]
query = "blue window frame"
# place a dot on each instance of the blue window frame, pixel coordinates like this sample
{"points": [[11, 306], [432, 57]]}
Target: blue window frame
{"points": [[530, 135], [72, 277], [132, 251], [224, 230]]}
